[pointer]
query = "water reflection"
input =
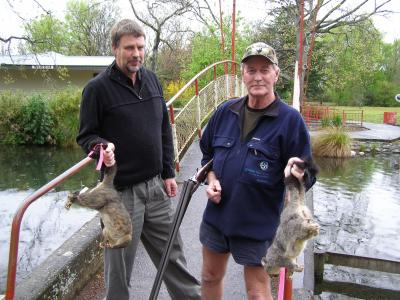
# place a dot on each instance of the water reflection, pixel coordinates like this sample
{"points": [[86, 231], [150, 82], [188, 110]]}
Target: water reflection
{"points": [[357, 202], [46, 223]]}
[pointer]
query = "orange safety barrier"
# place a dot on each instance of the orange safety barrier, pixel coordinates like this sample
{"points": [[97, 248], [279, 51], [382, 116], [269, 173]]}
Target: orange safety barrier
{"points": [[389, 118], [317, 115]]}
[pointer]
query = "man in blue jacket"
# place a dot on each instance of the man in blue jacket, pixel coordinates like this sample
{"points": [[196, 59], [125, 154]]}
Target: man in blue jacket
{"points": [[124, 108], [252, 140]]}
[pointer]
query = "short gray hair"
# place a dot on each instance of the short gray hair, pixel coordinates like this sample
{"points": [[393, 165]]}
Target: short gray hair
{"points": [[125, 27]]}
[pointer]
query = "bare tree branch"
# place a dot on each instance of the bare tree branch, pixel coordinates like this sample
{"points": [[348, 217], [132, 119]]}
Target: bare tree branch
{"points": [[48, 12], [160, 15]]}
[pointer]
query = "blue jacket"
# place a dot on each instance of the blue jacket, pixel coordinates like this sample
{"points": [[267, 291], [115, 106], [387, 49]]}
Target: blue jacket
{"points": [[251, 172]]}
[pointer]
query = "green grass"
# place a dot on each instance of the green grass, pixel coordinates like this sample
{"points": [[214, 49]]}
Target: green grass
{"points": [[372, 114]]}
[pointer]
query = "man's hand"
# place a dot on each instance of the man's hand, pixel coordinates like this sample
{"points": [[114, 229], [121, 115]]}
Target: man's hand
{"points": [[214, 188], [170, 187], [109, 159], [292, 168]]}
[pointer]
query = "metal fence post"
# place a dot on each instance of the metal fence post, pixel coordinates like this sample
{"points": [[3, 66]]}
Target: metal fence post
{"points": [[174, 136], [198, 109]]}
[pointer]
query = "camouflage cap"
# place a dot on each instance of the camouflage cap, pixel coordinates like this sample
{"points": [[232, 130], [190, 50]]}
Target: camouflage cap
{"points": [[260, 49]]}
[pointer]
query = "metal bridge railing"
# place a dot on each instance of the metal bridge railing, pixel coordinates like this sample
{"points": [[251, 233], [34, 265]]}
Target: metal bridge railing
{"points": [[190, 119]]}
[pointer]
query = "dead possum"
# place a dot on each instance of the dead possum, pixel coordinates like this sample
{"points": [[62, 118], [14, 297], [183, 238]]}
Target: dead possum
{"points": [[117, 231], [295, 228]]}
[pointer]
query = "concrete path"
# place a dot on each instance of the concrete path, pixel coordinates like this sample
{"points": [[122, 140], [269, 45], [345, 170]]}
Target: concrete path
{"points": [[377, 132]]}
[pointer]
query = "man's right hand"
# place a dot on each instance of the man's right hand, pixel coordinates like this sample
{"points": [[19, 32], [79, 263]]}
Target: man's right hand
{"points": [[109, 159], [214, 188]]}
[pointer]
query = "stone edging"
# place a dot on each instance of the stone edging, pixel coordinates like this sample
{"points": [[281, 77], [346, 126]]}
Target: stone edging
{"points": [[67, 270], [367, 146]]}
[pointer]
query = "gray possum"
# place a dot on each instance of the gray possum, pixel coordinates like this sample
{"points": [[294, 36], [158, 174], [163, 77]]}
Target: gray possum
{"points": [[117, 230], [295, 228]]}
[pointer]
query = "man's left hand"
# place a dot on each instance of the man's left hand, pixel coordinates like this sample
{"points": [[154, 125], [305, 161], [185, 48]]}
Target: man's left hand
{"points": [[170, 187]]}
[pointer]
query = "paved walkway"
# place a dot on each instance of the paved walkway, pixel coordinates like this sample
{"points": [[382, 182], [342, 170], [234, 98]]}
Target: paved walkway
{"points": [[377, 132]]}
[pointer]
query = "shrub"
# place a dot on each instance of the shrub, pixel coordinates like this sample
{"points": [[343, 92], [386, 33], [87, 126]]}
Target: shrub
{"points": [[325, 122], [334, 142], [64, 106], [35, 122], [173, 87], [11, 103], [44, 118], [337, 121]]}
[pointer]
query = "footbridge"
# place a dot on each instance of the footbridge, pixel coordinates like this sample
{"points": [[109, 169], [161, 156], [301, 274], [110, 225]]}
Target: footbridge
{"points": [[210, 87]]}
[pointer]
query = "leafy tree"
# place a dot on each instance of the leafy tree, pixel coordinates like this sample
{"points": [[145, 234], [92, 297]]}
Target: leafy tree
{"points": [[48, 34], [206, 49], [352, 62], [85, 30], [89, 24], [320, 18], [387, 79]]}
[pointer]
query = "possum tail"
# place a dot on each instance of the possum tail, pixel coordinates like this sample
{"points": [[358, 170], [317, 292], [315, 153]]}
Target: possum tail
{"points": [[295, 188], [109, 174]]}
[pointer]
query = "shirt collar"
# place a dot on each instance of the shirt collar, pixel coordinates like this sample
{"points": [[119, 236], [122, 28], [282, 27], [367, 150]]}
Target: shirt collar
{"points": [[271, 111]]}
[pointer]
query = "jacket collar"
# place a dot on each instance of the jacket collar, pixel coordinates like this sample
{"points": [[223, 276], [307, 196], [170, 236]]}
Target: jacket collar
{"points": [[115, 73], [271, 111]]}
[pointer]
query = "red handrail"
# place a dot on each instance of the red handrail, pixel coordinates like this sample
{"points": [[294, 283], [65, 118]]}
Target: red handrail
{"points": [[180, 92], [285, 285], [16, 224]]}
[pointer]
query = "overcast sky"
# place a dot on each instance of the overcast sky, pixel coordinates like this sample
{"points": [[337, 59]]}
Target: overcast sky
{"points": [[11, 24]]}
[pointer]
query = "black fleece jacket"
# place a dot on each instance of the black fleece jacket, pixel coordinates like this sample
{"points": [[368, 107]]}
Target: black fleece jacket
{"points": [[136, 122]]}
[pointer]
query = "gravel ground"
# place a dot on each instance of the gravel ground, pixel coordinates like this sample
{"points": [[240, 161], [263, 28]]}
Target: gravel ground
{"points": [[94, 290]]}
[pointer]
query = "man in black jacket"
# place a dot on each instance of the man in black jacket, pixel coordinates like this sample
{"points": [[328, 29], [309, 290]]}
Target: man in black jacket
{"points": [[123, 108]]}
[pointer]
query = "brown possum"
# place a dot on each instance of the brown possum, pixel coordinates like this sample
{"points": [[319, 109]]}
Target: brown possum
{"points": [[295, 228], [117, 230]]}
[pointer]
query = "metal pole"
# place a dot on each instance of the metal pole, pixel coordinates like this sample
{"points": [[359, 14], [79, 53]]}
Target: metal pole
{"points": [[188, 188], [174, 136], [198, 109], [184, 200], [301, 46], [233, 36], [222, 37]]}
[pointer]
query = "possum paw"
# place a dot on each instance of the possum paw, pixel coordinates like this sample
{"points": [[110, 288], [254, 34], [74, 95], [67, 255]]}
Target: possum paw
{"points": [[68, 204], [313, 229]]}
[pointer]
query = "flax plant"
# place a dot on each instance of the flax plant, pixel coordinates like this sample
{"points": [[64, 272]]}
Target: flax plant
{"points": [[333, 142]]}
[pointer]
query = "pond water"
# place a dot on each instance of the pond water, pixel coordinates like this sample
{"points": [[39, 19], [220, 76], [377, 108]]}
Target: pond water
{"points": [[357, 203], [46, 223]]}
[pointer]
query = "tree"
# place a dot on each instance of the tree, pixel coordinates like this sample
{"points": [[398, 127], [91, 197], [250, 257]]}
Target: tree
{"points": [[321, 17], [352, 63], [85, 31], [206, 49], [48, 33], [89, 24], [163, 19]]}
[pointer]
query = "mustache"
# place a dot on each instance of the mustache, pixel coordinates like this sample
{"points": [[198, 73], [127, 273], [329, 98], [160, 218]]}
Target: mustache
{"points": [[135, 60]]}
